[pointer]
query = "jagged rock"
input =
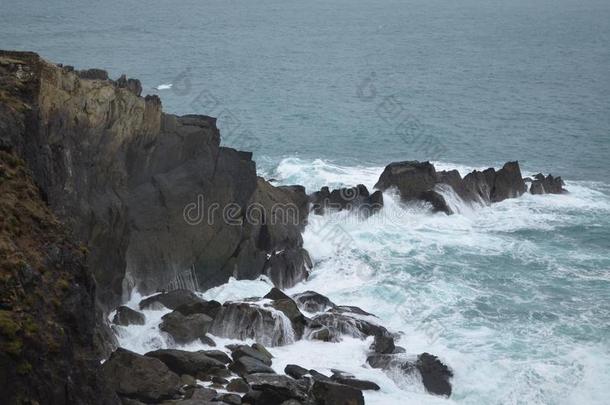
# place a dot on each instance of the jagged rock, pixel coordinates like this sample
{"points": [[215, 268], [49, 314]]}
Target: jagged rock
{"points": [[242, 351], [210, 308], [311, 301], [132, 85], [331, 393], [126, 316], [349, 309], [547, 185], [184, 362], [129, 179], [346, 199], [410, 178], [246, 365], [362, 385], [140, 377], [435, 375], [276, 388], [508, 183], [438, 202], [185, 329], [170, 300], [383, 344], [276, 294], [295, 371], [238, 385], [245, 320]]}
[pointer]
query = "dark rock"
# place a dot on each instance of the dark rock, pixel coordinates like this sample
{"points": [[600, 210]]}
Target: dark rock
{"points": [[170, 300], [250, 352], [183, 362], [349, 309], [218, 355], [140, 377], [331, 393], [126, 316], [295, 371], [246, 365], [384, 361], [132, 85], [201, 394], [276, 294], [244, 320], [358, 384], [508, 183], [547, 185], [346, 199], [435, 375], [238, 385], [209, 308], [206, 340], [410, 178], [383, 344], [438, 202], [317, 376], [252, 397], [399, 349], [276, 389], [220, 380], [185, 329], [311, 301], [231, 399], [188, 380], [262, 349]]}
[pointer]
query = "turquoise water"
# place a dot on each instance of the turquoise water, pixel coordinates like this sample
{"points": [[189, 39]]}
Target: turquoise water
{"points": [[515, 297]]}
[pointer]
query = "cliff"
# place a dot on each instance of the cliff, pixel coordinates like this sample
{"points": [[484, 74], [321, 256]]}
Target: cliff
{"points": [[152, 195], [50, 326]]}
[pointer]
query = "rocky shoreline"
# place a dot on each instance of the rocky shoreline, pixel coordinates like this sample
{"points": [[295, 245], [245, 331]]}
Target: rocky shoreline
{"points": [[105, 195]]}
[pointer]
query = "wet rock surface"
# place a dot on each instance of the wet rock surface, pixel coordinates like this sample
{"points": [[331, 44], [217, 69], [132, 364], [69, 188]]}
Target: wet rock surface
{"points": [[126, 316]]}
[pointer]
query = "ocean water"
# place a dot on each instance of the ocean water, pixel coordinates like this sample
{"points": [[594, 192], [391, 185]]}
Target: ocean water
{"points": [[516, 296]]}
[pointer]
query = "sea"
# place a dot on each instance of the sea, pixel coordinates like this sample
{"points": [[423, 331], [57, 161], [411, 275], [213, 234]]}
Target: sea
{"points": [[515, 297]]}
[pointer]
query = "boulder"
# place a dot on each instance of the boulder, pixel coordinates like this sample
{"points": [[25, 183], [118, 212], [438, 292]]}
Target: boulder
{"points": [[508, 183], [238, 385], [276, 389], [140, 377], [218, 355], [339, 324], [332, 393], [200, 394], [262, 349], [362, 385], [248, 351], [246, 365], [230, 399], [547, 185], [409, 178], [295, 371], [209, 308], [184, 362], [435, 375], [170, 300], [185, 329], [317, 376], [311, 301], [126, 316]]}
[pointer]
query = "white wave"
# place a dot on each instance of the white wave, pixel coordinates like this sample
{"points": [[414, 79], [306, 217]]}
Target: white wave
{"points": [[165, 86]]}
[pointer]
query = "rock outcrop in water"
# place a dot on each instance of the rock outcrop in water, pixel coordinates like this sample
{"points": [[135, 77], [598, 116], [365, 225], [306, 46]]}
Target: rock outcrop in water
{"points": [[355, 198], [419, 181], [155, 198]]}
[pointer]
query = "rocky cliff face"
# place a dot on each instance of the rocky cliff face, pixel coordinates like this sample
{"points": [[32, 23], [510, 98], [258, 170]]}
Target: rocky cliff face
{"points": [[50, 337], [155, 198]]}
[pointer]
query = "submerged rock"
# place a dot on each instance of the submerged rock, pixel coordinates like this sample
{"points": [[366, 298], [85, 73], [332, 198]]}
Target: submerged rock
{"points": [[140, 377], [126, 316]]}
